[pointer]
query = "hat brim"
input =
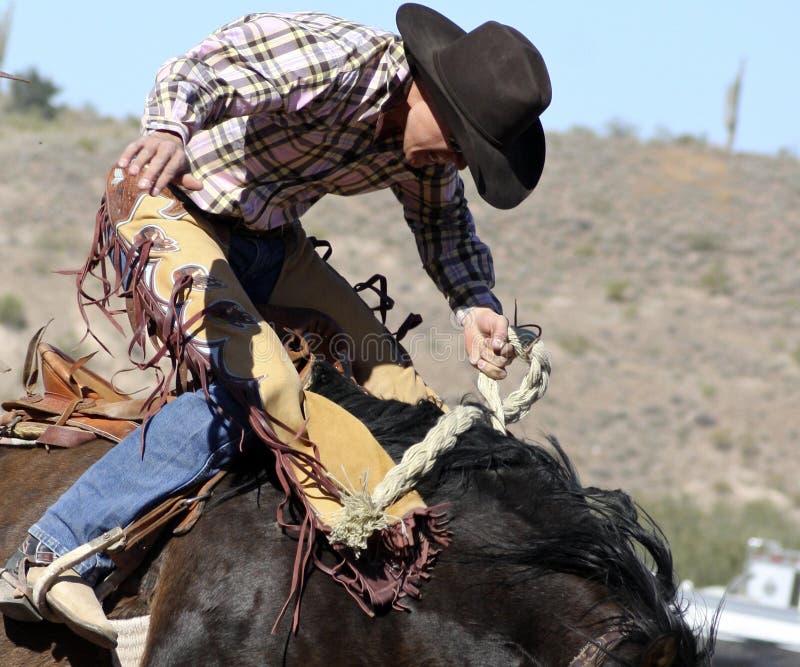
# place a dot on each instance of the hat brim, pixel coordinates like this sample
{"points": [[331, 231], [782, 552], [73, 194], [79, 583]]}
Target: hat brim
{"points": [[503, 178]]}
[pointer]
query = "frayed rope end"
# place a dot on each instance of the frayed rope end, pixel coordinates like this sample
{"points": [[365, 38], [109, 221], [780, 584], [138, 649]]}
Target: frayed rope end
{"points": [[359, 517]]}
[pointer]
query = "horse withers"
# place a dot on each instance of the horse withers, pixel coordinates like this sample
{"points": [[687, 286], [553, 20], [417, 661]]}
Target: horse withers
{"points": [[541, 570]]}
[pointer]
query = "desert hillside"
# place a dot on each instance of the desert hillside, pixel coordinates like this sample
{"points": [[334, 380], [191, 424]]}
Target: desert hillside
{"points": [[665, 276]]}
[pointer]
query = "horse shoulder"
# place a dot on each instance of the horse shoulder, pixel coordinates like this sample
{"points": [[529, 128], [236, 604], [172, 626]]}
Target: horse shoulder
{"points": [[30, 481]]}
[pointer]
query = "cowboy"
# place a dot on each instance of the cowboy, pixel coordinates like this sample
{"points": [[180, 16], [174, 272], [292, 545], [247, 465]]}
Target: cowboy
{"points": [[244, 133]]}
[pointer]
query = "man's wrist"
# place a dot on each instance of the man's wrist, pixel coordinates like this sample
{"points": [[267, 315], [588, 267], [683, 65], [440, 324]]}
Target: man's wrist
{"points": [[462, 314], [176, 129]]}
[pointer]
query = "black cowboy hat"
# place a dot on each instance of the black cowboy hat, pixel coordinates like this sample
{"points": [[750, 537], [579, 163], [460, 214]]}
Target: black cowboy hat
{"points": [[489, 87]]}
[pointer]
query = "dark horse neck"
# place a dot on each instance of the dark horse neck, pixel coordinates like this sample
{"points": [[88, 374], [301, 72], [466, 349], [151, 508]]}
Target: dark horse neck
{"points": [[538, 568]]}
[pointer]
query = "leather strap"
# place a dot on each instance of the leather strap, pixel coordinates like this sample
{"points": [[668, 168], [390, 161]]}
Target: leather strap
{"points": [[30, 371], [595, 651], [65, 436], [142, 534], [112, 421], [385, 302]]}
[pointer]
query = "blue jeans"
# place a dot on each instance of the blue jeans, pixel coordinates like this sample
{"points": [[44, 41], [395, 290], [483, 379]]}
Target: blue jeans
{"points": [[186, 442]]}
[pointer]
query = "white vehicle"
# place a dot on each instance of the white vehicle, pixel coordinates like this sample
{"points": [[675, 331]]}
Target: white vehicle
{"points": [[761, 606]]}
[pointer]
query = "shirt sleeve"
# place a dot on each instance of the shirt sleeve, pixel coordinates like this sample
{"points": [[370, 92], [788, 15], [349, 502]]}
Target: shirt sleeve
{"points": [[452, 254], [252, 65]]}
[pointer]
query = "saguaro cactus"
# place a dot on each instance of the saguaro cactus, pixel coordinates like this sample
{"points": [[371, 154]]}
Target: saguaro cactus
{"points": [[732, 106], [5, 29]]}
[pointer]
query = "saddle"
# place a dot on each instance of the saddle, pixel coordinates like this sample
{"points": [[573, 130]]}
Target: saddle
{"points": [[77, 405]]}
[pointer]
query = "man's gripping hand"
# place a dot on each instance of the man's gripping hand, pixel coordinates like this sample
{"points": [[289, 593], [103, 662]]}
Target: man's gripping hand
{"points": [[161, 159], [486, 341]]}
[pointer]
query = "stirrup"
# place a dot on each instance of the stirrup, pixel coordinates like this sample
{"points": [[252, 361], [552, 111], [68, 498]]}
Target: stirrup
{"points": [[67, 561], [15, 594], [24, 603]]}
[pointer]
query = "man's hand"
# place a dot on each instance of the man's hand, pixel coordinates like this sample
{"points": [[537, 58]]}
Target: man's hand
{"points": [[486, 341], [160, 158]]}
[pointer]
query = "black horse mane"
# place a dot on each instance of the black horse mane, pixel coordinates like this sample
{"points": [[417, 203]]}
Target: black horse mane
{"points": [[597, 534]]}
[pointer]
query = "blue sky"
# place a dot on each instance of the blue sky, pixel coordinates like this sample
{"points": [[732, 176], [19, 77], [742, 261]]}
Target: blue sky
{"points": [[659, 66]]}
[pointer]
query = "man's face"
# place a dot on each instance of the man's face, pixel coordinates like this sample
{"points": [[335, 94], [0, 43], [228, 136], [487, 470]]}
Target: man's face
{"points": [[425, 138]]}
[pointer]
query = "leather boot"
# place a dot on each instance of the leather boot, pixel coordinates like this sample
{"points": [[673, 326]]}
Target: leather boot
{"points": [[74, 601]]}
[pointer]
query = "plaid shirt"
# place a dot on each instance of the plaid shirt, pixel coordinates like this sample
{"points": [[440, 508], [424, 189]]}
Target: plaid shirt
{"points": [[277, 110]]}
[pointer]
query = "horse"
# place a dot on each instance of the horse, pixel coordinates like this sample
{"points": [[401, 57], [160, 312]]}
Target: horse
{"points": [[541, 570]]}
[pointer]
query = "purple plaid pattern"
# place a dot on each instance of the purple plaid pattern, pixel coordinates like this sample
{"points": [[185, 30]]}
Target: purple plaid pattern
{"points": [[277, 110]]}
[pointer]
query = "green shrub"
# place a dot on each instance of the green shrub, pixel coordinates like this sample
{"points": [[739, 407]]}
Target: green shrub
{"points": [[88, 144], [617, 290], [708, 391], [574, 344], [12, 313], [704, 241], [621, 129], [35, 96], [716, 280], [631, 313], [722, 440], [691, 140], [709, 547]]}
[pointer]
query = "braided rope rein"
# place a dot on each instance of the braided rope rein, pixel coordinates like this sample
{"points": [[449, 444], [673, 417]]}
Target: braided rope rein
{"points": [[363, 513]]}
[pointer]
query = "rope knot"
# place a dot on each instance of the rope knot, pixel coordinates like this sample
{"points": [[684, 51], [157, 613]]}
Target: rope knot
{"points": [[358, 518]]}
